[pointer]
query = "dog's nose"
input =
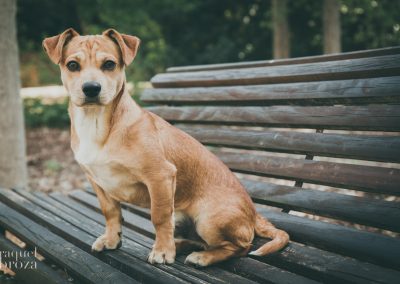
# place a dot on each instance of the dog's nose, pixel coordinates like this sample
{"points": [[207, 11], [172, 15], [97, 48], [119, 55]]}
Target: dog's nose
{"points": [[91, 89]]}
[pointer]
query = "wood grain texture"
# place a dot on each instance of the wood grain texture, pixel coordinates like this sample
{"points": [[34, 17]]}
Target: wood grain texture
{"points": [[364, 147], [290, 61], [373, 247], [357, 91], [42, 274], [134, 243], [232, 272], [375, 117], [361, 210], [371, 67], [78, 262], [365, 178], [135, 268]]}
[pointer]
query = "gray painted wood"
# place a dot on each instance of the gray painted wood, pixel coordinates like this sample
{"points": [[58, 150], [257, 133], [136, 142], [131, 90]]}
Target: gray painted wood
{"points": [[371, 67], [290, 61], [374, 117], [363, 147], [356, 91]]}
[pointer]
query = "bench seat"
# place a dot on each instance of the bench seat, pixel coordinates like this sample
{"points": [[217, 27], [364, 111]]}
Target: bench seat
{"points": [[64, 227]]}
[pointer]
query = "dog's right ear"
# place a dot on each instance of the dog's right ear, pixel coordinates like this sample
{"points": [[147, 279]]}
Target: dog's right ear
{"points": [[54, 45]]}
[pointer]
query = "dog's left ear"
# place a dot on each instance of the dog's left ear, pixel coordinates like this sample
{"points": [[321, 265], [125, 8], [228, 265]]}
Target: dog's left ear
{"points": [[129, 45], [54, 45]]}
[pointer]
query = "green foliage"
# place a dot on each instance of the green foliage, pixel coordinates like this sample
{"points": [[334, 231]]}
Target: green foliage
{"points": [[52, 166], [38, 114], [183, 32]]}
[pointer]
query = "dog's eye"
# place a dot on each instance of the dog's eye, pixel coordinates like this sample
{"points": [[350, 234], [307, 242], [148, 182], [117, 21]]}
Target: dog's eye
{"points": [[73, 66], [109, 65]]}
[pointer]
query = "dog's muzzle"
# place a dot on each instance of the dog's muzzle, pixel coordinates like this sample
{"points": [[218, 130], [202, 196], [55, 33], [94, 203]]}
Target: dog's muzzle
{"points": [[91, 90]]}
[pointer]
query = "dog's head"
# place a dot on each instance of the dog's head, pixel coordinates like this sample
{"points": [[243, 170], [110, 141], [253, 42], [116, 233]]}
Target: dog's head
{"points": [[92, 67]]}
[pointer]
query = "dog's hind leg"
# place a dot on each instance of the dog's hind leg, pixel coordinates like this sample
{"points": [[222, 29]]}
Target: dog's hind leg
{"points": [[214, 255], [185, 245], [227, 234]]}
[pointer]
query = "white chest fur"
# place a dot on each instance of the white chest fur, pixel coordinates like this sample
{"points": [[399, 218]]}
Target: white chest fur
{"points": [[90, 129], [105, 165]]}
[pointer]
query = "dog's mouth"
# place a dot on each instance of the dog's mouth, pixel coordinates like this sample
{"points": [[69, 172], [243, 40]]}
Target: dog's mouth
{"points": [[91, 101]]}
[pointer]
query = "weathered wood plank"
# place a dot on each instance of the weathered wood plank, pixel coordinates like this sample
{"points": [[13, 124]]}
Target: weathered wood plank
{"points": [[374, 247], [358, 91], [253, 270], [332, 268], [40, 274], [364, 147], [374, 117], [364, 240], [371, 67], [296, 60], [134, 267], [79, 263], [365, 178], [361, 210], [134, 221], [130, 244]]}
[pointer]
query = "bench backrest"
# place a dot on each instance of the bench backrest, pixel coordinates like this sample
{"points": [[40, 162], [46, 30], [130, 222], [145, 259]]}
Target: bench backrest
{"points": [[292, 127]]}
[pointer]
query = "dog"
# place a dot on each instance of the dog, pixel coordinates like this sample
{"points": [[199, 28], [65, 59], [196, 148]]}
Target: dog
{"points": [[132, 155]]}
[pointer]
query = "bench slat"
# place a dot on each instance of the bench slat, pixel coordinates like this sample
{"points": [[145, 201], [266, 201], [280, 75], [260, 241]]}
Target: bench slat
{"points": [[42, 274], [366, 211], [134, 267], [364, 240], [80, 264], [358, 91], [365, 178], [361, 210], [375, 117], [366, 246], [250, 268], [364, 147], [296, 60], [333, 237], [371, 67], [130, 244]]}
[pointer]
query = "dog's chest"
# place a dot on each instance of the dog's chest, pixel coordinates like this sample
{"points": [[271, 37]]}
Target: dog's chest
{"points": [[116, 180], [105, 164]]}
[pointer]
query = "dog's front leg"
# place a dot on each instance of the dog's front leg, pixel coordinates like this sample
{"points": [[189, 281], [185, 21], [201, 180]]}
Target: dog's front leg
{"points": [[111, 209], [162, 191]]}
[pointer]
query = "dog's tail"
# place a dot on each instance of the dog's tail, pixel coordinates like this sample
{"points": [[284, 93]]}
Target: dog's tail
{"points": [[265, 229]]}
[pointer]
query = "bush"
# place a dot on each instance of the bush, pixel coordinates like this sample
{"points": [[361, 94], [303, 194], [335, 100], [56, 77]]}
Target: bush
{"points": [[39, 114]]}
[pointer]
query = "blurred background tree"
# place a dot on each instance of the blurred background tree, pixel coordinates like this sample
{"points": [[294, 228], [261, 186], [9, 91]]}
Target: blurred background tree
{"points": [[187, 32], [13, 170]]}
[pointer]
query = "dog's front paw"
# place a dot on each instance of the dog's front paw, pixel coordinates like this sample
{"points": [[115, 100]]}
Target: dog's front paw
{"points": [[162, 256], [106, 242]]}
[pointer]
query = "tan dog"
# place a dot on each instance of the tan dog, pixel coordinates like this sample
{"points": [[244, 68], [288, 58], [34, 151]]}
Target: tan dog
{"points": [[132, 155]]}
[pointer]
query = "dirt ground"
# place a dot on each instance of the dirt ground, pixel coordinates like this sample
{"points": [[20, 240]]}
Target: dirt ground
{"points": [[51, 163]]}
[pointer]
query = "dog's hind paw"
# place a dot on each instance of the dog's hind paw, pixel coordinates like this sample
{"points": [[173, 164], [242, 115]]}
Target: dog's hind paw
{"points": [[197, 259]]}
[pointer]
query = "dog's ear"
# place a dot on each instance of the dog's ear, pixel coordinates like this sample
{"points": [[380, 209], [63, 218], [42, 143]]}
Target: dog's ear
{"points": [[128, 45], [54, 45]]}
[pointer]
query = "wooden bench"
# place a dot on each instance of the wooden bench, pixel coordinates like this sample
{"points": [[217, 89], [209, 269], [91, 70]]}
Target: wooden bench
{"points": [[316, 142]]}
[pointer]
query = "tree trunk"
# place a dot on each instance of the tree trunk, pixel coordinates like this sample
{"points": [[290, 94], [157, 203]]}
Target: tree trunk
{"points": [[331, 18], [13, 171], [281, 29]]}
